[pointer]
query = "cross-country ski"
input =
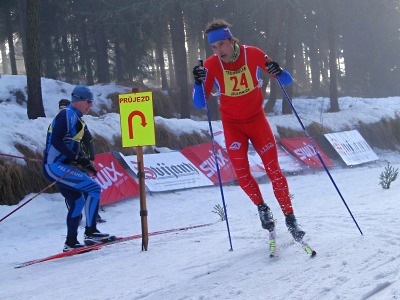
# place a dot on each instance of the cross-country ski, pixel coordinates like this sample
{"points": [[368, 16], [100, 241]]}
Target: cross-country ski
{"points": [[90, 248]]}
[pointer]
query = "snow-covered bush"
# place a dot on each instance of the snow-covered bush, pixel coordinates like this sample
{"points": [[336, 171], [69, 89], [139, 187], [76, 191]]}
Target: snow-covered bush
{"points": [[388, 176], [219, 210]]}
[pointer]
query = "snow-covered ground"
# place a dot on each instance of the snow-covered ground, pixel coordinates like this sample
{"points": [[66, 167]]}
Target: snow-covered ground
{"points": [[197, 263]]}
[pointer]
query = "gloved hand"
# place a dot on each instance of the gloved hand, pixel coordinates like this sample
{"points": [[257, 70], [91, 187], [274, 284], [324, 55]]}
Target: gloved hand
{"points": [[273, 68], [86, 165], [199, 74]]}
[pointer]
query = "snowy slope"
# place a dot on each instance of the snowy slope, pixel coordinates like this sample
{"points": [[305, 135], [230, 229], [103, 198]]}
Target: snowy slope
{"points": [[197, 264]]}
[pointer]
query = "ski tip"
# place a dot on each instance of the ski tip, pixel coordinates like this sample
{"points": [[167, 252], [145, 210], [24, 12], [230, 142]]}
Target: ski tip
{"points": [[20, 266]]}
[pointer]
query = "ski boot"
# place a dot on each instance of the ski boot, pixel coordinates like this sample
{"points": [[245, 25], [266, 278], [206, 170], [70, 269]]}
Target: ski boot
{"points": [[72, 245], [94, 236], [266, 217], [294, 228]]}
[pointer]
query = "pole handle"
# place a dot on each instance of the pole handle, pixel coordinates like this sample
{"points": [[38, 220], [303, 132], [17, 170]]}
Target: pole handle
{"points": [[268, 60]]}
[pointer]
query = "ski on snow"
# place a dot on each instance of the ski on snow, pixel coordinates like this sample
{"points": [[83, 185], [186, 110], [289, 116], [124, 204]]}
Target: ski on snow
{"points": [[90, 248], [307, 248], [272, 244], [273, 249]]}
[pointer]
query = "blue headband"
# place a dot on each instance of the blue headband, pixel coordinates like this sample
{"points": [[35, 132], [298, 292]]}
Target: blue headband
{"points": [[219, 35]]}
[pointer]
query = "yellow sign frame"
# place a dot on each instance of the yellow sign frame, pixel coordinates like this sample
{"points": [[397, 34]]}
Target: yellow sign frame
{"points": [[137, 119]]}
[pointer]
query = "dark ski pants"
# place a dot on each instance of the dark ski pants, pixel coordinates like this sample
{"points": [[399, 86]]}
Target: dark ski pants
{"points": [[77, 188]]}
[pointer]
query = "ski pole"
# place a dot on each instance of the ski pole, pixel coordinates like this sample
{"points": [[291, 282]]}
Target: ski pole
{"points": [[46, 188], [316, 151], [21, 157], [216, 162]]}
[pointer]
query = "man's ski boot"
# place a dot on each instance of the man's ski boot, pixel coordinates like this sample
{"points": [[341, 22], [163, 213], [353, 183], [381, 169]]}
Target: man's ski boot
{"points": [[294, 228], [266, 217], [94, 236], [72, 245]]}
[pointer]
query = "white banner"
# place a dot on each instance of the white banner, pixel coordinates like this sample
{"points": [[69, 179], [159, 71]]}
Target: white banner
{"points": [[351, 147], [168, 171]]}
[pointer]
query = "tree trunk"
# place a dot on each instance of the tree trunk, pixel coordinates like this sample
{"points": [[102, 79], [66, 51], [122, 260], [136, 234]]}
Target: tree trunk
{"points": [[206, 14], [119, 66], [102, 64], [86, 54], [82, 53], [49, 69], [273, 44], [22, 4], [35, 103], [333, 93], [9, 33], [161, 63], [4, 59], [286, 107], [179, 52], [315, 69], [48, 29], [66, 53], [193, 56]]}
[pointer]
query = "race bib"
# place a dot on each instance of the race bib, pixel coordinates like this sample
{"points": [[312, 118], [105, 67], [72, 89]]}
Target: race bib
{"points": [[238, 82]]}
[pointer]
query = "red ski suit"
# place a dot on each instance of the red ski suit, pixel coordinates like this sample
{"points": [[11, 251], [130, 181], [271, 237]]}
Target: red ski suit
{"points": [[243, 119]]}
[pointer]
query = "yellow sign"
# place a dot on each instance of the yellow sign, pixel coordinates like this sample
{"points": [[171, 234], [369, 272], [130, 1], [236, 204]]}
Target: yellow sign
{"points": [[137, 119]]}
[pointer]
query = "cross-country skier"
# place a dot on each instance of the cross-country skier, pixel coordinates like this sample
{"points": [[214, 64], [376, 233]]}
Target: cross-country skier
{"points": [[86, 147], [62, 154], [234, 70]]}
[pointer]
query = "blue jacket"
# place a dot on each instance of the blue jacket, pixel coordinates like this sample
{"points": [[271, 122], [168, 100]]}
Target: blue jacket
{"points": [[64, 137]]}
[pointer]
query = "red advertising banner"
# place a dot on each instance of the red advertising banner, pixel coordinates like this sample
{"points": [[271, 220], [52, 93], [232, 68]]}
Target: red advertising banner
{"points": [[115, 183], [202, 156], [304, 151]]}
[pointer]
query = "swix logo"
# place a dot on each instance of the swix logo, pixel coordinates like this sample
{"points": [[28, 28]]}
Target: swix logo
{"points": [[162, 171], [235, 146], [266, 148], [210, 166], [107, 175], [306, 151]]}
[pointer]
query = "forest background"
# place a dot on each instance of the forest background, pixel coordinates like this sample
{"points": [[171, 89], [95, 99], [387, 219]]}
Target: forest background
{"points": [[332, 47]]}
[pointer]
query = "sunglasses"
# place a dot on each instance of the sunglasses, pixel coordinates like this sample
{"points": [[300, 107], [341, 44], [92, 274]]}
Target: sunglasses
{"points": [[89, 101]]}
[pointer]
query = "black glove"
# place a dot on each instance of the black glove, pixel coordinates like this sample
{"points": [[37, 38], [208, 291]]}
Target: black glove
{"points": [[86, 165], [274, 68], [199, 74]]}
